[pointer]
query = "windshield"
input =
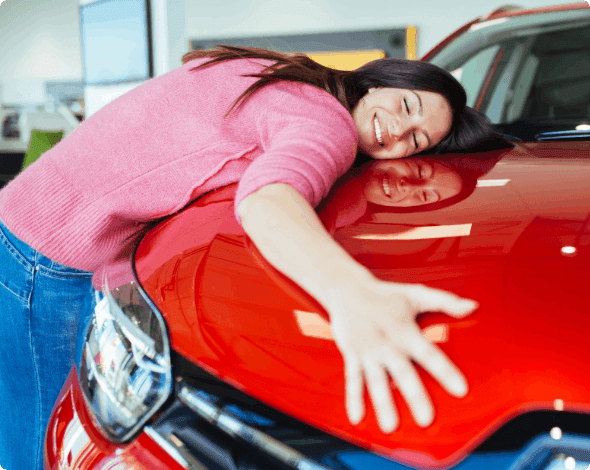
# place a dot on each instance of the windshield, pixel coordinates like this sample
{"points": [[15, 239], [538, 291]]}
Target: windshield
{"points": [[527, 78]]}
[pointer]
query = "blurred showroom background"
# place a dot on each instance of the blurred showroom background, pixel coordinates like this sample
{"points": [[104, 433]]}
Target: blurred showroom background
{"points": [[51, 50]]}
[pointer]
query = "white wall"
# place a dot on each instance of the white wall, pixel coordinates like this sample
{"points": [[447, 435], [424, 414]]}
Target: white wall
{"points": [[435, 19], [40, 39]]}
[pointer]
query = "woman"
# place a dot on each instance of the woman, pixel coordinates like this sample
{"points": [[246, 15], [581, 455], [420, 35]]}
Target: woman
{"points": [[284, 127]]}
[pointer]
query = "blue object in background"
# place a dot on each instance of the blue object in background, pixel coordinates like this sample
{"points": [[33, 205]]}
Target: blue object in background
{"points": [[357, 460], [116, 41]]}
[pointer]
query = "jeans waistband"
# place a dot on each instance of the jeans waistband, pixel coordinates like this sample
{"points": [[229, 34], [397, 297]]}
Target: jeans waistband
{"points": [[34, 258]]}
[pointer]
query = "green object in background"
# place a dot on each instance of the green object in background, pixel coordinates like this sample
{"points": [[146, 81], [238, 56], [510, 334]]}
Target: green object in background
{"points": [[41, 142]]}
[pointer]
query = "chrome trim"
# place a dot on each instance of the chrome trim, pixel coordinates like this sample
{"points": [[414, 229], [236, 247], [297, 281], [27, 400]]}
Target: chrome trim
{"points": [[541, 449], [174, 447], [237, 429], [563, 135]]}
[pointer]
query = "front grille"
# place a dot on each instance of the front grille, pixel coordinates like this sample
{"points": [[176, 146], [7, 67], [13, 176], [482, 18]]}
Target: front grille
{"points": [[203, 436], [210, 425]]}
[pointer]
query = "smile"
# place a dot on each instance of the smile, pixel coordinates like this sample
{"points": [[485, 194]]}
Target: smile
{"points": [[378, 131], [386, 187]]}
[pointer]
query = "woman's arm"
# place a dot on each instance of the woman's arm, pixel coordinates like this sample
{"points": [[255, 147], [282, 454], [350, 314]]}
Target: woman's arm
{"points": [[373, 321]]}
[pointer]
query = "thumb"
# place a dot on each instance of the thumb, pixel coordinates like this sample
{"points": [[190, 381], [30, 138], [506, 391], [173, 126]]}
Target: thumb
{"points": [[427, 299]]}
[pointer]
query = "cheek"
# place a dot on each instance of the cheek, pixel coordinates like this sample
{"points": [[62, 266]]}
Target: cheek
{"points": [[443, 125], [398, 150], [371, 191], [449, 185], [401, 150], [408, 202]]}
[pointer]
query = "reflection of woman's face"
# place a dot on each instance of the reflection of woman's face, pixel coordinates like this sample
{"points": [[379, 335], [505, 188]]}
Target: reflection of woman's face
{"points": [[409, 182]]}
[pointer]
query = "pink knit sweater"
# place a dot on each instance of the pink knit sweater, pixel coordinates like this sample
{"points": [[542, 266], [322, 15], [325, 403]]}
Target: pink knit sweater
{"points": [[165, 143]]}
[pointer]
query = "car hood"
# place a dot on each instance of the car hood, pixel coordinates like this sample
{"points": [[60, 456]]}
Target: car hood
{"points": [[519, 245]]}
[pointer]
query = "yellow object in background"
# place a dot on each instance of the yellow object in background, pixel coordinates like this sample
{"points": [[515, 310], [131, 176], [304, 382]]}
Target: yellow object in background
{"points": [[411, 33], [346, 60]]}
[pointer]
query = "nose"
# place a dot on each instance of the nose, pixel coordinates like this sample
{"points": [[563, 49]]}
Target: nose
{"points": [[404, 126], [406, 185]]}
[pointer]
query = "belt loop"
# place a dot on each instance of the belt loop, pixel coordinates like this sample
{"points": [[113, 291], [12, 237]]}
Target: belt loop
{"points": [[37, 260]]}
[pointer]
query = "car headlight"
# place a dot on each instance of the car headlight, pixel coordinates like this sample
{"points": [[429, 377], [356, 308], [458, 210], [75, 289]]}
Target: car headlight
{"points": [[124, 370]]}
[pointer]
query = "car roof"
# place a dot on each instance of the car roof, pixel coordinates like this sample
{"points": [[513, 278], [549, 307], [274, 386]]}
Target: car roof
{"points": [[506, 11], [511, 10]]}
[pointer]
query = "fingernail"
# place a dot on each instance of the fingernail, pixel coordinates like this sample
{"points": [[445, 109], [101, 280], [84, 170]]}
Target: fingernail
{"points": [[387, 428], [388, 425], [469, 304], [355, 415], [425, 419], [460, 388]]}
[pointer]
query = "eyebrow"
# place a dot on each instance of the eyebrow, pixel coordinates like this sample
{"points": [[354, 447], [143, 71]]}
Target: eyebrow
{"points": [[435, 191], [420, 112]]}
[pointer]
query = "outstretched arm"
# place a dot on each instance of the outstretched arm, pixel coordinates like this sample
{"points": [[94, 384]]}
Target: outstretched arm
{"points": [[373, 321]]}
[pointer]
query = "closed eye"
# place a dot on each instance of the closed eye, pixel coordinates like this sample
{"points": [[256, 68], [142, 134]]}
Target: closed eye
{"points": [[415, 142], [407, 107], [417, 170]]}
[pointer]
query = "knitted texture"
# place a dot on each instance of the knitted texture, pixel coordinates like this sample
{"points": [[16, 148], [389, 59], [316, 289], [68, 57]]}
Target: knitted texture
{"points": [[153, 150]]}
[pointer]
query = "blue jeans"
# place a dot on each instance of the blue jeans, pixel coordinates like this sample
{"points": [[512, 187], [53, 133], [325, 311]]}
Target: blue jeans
{"points": [[42, 306]]}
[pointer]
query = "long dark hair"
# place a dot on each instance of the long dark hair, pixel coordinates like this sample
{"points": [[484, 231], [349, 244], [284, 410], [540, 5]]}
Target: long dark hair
{"points": [[470, 129]]}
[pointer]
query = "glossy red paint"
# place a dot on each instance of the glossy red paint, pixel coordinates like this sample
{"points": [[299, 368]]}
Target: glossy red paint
{"points": [[73, 443], [229, 311]]}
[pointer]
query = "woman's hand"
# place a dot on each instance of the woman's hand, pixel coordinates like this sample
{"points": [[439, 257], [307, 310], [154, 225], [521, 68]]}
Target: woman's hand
{"points": [[375, 329], [373, 322]]}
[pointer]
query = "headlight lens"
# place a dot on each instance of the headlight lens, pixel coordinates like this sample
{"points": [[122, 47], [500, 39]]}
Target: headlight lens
{"points": [[125, 372]]}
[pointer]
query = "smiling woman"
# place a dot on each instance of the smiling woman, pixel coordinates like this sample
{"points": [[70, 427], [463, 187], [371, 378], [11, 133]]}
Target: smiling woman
{"points": [[395, 123], [281, 125]]}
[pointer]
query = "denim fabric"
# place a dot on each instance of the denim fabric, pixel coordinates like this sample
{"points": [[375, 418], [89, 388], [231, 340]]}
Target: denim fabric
{"points": [[42, 305]]}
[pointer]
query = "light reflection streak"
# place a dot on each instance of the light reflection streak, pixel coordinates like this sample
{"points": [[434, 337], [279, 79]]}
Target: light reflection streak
{"points": [[490, 183], [315, 326], [422, 233]]}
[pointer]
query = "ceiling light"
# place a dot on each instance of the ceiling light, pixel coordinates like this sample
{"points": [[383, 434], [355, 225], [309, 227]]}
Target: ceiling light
{"points": [[555, 433], [569, 463], [568, 250]]}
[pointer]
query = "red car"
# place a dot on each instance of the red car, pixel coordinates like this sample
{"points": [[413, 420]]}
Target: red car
{"points": [[212, 360]]}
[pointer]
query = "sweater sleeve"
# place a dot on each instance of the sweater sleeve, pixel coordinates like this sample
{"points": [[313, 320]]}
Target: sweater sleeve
{"points": [[309, 140]]}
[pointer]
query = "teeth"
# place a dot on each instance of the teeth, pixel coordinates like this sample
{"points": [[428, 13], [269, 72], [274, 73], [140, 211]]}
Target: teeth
{"points": [[386, 187], [378, 132]]}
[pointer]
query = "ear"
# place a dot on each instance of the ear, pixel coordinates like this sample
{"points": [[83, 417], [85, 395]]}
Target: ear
{"points": [[371, 90]]}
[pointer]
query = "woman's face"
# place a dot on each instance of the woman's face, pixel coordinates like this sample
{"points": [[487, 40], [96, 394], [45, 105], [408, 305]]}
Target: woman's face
{"points": [[409, 182], [396, 123]]}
